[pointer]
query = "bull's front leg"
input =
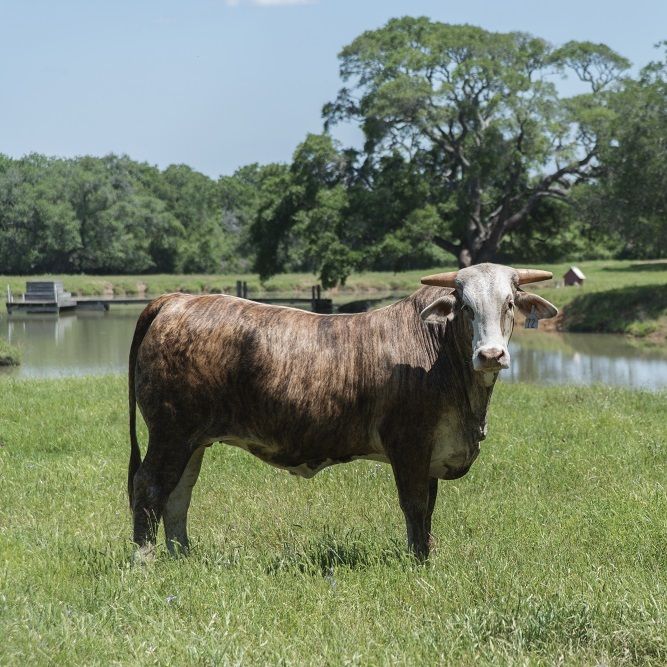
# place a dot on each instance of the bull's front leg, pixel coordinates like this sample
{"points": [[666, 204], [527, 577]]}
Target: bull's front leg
{"points": [[412, 482]]}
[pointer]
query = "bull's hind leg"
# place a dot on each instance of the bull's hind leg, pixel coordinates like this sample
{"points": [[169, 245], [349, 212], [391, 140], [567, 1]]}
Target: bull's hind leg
{"points": [[156, 478], [175, 513], [432, 495]]}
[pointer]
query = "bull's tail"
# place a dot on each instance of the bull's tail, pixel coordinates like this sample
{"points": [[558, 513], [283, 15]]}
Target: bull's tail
{"points": [[143, 323]]}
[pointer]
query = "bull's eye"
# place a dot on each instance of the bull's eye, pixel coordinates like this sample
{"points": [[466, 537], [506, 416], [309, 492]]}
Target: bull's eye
{"points": [[510, 305], [465, 308]]}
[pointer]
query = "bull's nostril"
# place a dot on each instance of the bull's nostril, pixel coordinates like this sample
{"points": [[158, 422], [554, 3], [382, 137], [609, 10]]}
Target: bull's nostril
{"points": [[491, 354]]}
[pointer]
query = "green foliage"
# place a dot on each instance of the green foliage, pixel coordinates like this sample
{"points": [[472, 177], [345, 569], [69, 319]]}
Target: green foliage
{"points": [[39, 229], [410, 245], [272, 221], [594, 64], [556, 232], [630, 202], [107, 215], [302, 218], [192, 199], [239, 196], [475, 115], [551, 550]]}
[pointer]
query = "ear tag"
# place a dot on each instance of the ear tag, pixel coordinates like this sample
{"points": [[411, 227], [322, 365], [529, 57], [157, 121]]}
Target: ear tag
{"points": [[531, 320]]}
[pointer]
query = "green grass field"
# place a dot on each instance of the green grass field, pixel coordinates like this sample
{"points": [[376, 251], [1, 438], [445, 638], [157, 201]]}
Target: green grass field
{"points": [[602, 275], [552, 550]]}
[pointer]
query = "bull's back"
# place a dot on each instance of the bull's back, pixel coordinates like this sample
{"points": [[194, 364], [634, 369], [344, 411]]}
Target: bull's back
{"points": [[300, 384]]}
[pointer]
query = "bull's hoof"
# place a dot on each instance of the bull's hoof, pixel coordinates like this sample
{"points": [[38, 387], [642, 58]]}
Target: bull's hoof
{"points": [[178, 550], [144, 555]]}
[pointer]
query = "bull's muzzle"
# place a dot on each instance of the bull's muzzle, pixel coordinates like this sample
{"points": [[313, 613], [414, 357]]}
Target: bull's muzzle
{"points": [[491, 359]]}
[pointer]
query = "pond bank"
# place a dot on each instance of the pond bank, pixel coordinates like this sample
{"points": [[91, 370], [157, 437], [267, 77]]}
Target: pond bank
{"points": [[97, 343], [627, 297], [638, 313], [9, 354]]}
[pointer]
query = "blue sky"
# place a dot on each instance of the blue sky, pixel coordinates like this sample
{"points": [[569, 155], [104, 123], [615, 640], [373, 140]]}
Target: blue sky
{"points": [[217, 84]]}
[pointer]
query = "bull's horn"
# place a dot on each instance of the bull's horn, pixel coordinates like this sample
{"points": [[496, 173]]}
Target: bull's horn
{"points": [[533, 275], [441, 279]]}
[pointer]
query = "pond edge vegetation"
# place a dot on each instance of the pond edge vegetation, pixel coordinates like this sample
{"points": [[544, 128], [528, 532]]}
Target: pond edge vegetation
{"points": [[620, 296], [10, 355]]}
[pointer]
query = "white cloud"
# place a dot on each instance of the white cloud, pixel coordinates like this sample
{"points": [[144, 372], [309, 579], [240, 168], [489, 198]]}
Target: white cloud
{"points": [[282, 3], [271, 3]]}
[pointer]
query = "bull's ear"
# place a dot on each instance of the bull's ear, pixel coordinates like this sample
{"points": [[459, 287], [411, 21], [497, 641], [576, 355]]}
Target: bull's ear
{"points": [[526, 301], [440, 311]]}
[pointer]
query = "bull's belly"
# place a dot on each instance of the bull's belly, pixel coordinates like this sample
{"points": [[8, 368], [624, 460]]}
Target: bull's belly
{"points": [[305, 465], [309, 470], [452, 454]]}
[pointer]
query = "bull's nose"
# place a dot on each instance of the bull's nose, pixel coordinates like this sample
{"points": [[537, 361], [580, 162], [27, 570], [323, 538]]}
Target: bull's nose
{"points": [[492, 358]]}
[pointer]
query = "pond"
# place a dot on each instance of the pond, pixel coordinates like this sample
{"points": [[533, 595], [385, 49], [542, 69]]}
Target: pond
{"points": [[95, 343]]}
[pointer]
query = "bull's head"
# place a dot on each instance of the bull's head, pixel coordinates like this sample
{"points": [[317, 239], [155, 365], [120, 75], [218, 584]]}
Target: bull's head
{"points": [[487, 295]]}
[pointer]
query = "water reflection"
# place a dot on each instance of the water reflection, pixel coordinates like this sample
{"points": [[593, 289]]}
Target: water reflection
{"points": [[85, 343], [550, 358], [94, 343]]}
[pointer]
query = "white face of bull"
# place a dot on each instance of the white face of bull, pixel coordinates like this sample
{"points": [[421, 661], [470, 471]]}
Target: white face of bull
{"points": [[488, 296]]}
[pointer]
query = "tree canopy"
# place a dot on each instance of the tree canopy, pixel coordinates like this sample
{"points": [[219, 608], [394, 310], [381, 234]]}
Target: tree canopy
{"points": [[469, 150], [478, 116], [109, 215], [630, 202]]}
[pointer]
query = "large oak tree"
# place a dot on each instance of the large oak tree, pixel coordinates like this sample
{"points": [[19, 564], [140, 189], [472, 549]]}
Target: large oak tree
{"points": [[479, 116], [630, 202]]}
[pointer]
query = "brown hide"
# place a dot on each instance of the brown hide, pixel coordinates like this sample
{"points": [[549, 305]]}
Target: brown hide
{"points": [[302, 390], [304, 387]]}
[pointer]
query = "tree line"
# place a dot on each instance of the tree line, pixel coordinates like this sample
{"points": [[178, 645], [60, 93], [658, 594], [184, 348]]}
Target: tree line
{"points": [[470, 152]]}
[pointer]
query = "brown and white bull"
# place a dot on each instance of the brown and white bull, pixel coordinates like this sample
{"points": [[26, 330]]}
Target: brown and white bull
{"points": [[408, 385]]}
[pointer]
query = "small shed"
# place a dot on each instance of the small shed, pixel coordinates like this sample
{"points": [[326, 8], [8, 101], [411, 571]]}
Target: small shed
{"points": [[574, 276]]}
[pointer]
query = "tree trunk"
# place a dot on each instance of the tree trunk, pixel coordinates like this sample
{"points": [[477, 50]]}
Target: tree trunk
{"points": [[465, 258], [483, 244], [478, 245], [487, 253]]}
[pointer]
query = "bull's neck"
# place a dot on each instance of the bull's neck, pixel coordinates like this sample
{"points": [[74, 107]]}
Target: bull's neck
{"points": [[466, 389], [475, 386]]}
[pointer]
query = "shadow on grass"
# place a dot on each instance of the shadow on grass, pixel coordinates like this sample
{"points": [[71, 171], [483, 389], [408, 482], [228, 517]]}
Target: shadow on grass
{"points": [[323, 555], [658, 265], [616, 311]]}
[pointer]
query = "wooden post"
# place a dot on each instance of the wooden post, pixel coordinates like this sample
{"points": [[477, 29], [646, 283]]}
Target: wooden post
{"points": [[239, 288], [318, 305], [245, 289]]}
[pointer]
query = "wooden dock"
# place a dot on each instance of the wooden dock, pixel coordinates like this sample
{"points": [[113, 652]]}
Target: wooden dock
{"points": [[50, 297], [41, 296]]}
